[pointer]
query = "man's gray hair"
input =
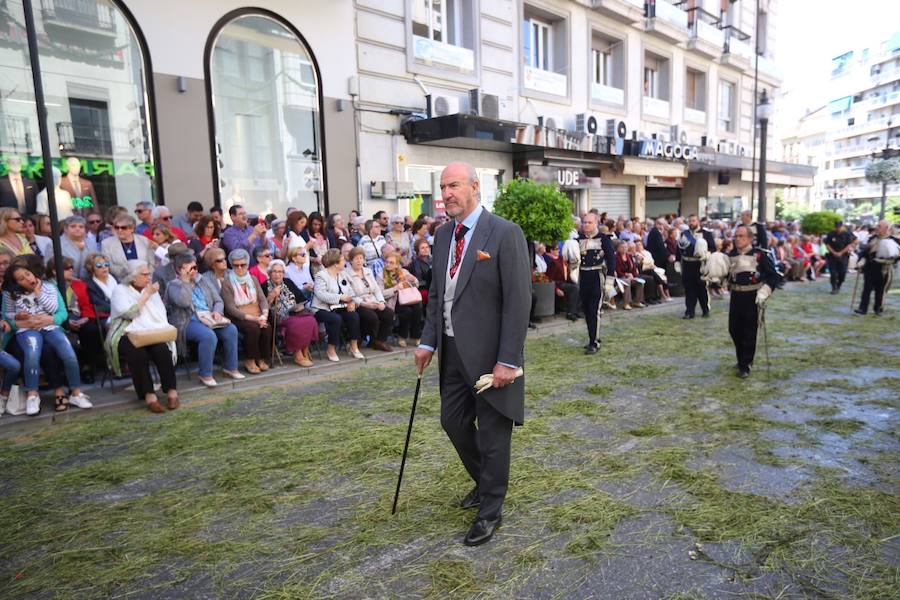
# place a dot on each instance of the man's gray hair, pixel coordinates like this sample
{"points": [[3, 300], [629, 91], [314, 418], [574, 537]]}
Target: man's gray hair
{"points": [[133, 269], [144, 204], [159, 211], [276, 262], [238, 254], [73, 220]]}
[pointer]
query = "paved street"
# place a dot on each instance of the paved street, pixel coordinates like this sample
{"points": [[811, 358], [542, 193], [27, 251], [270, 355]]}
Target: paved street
{"points": [[646, 471]]}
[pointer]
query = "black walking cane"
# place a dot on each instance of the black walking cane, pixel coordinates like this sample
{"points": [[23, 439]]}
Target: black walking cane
{"points": [[412, 416]]}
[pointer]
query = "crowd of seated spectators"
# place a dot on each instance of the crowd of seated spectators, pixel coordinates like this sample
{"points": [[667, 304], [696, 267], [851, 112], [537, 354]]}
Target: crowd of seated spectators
{"points": [[245, 293]]}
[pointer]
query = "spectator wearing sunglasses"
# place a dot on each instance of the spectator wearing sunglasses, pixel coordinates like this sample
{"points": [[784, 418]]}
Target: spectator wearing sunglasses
{"points": [[94, 224], [12, 230], [298, 271], [125, 246], [188, 296], [101, 284], [144, 213], [163, 216], [74, 244], [263, 256]]}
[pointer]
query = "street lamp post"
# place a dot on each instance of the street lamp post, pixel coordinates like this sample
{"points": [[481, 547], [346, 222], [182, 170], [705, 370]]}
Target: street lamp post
{"points": [[763, 113]]}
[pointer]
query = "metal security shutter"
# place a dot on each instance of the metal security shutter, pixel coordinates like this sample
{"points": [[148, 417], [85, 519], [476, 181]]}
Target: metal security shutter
{"points": [[614, 200]]}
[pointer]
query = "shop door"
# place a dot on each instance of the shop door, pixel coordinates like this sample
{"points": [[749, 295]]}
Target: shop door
{"points": [[614, 200], [663, 201]]}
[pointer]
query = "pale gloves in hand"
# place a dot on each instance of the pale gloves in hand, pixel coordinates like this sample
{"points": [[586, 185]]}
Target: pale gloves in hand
{"points": [[486, 381], [762, 295]]}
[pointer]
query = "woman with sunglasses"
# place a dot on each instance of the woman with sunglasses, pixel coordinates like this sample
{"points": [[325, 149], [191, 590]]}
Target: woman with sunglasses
{"points": [[125, 246], [12, 229], [188, 297], [263, 256], [400, 239], [101, 284], [81, 321], [298, 271], [246, 306]]}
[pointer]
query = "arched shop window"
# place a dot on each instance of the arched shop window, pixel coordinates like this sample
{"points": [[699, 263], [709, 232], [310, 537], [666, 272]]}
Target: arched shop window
{"points": [[94, 72], [265, 95]]}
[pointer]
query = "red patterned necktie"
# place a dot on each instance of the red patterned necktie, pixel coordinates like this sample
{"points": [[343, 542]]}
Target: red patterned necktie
{"points": [[460, 235]]}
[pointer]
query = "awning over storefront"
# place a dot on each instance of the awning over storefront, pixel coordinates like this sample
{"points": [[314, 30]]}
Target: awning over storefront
{"points": [[777, 173], [778, 178]]}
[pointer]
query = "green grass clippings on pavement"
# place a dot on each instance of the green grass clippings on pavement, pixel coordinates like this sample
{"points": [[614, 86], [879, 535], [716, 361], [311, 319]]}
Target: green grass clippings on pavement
{"points": [[785, 484]]}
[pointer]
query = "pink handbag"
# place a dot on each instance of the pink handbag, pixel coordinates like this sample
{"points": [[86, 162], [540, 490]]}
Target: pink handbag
{"points": [[408, 295]]}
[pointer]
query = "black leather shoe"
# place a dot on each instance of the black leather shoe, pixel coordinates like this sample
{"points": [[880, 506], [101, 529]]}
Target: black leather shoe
{"points": [[687, 316], [834, 291], [481, 531], [705, 315], [471, 500], [592, 349], [859, 312], [878, 312], [744, 373]]}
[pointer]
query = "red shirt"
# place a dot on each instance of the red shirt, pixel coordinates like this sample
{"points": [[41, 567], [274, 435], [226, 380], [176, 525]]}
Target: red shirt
{"points": [[179, 233], [625, 265], [84, 302]]}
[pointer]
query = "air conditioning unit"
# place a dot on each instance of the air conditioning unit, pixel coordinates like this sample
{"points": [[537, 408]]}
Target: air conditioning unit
{"points": [[547, 122], [446, 105], [484, 105], [587, 123]]}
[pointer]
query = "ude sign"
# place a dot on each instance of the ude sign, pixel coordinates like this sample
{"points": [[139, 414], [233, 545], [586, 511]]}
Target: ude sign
{"points": [[566, 178]]}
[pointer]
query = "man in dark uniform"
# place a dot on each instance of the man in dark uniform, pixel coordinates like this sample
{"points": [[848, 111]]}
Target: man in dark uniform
{"points": [[694, 246], [752, 278], [597, 259], [839, 243], [877, 261], [760, 239]]}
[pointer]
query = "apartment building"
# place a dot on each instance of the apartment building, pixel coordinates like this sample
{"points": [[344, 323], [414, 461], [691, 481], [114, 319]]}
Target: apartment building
{"points": [[861, 120], [633, 108]]}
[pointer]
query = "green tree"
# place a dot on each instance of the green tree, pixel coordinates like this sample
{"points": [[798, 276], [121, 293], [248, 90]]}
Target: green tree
{"points": [[819, 223], [540, 209], [883, 171]]}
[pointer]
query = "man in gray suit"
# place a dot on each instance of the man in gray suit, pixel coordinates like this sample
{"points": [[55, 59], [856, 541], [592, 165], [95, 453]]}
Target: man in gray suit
{"points": [[476, 319]]}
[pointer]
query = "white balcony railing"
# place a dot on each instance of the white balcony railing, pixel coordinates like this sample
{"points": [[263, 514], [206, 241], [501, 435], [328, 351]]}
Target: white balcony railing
{"points": [[654, 107], [605, 93], [858, 128], [882, 100], [708, 33], [738, 48], [546, 82], [672, 14], [693, 115]]}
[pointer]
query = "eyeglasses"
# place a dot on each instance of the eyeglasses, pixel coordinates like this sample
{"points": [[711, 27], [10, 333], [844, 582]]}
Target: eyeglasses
{"points": [[19, 219], [122, 227], [193, 268], [219, 260], [141, 210], [144, 274], [276, 271], [100, 265], [69, 268], [301, 254], [265, 255], [238, 265], [166, 218], [91, 222]]}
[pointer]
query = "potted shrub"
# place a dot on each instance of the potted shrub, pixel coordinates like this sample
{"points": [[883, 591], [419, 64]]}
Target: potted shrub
{"points": [[545, 215], [819, 223]]}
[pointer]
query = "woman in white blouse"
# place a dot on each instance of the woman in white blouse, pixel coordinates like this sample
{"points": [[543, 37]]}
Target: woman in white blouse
{"points": [[101, 284], [375, 318], [137, 307]]}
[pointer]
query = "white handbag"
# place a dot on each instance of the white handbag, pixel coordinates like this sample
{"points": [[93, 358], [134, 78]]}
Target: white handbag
{"points": [[15, 403]]}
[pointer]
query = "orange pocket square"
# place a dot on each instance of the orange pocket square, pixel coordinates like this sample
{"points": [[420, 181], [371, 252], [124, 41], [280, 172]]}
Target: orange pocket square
{"points": [[480, 255]]}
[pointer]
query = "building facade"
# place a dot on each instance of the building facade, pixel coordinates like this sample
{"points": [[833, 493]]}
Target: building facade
{"points": [[208, 100], [860, 121], [635, 108]]}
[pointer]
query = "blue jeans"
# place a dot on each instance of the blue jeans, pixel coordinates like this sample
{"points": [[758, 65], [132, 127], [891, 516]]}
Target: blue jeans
{"points": [[11, 368], [32, 342], [207, 339]]}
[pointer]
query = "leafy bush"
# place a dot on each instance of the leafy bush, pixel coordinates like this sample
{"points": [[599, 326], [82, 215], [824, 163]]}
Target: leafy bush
{"points": [[540, 209], [883, 171], [819, 223]]}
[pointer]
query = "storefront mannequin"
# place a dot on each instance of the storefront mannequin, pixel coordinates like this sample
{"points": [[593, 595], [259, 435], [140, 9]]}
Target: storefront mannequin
{"points": [[63, 198], [84, 198], [17, 191]]}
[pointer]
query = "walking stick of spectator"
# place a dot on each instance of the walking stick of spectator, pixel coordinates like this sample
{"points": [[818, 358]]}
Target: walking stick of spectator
{"points": [[412, 415], [762, 325], [855, 283], [275, 353]]}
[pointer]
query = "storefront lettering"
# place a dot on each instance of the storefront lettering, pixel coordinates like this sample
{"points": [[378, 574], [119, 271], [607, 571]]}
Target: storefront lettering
{"points": [[33, 167], [659, 149]]}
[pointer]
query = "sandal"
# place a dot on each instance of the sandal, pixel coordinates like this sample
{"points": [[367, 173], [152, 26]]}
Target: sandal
{"points": [[62, 403]]}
